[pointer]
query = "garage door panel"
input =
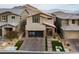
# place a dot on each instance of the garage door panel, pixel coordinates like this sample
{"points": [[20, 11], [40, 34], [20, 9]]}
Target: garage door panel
{"points": [[35, 34], [71, 35]]}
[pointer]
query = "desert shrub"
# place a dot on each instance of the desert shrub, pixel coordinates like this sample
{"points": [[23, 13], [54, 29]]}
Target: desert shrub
{"points": [[11, 35], [18, 44]]}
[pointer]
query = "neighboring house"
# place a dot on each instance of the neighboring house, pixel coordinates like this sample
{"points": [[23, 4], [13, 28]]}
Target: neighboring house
{"points": [[70, 24], [10, 19], [39, 26]]}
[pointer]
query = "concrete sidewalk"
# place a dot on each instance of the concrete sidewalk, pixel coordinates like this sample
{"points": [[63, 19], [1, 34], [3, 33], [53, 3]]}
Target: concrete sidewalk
{"points": [[71, 47]]}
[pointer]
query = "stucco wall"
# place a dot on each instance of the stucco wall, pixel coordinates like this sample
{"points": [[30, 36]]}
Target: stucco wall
{"points": [[16, 20], [34, 26], [38, 26], [24, 14], [45, 20], [70, 23], [10, 20], [70, 26]]}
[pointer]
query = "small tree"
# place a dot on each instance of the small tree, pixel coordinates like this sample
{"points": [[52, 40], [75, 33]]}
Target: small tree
{"points": [[11, 35], [58, 25], [22, 27]]}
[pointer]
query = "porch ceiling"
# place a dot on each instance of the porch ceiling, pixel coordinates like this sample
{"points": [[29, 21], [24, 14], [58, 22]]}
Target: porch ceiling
{"points": [[51, 25], [7, 25]]}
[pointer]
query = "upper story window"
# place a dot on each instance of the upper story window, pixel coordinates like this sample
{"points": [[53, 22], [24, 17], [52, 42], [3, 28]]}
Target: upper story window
{"points": [[49, 18], [78, 21], [67, 22], [73, 21], [13, 17], [4, 18], [36, 18]]}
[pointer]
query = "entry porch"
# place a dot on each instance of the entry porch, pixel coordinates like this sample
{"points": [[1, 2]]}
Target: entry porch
{"points": [[4, 29]]}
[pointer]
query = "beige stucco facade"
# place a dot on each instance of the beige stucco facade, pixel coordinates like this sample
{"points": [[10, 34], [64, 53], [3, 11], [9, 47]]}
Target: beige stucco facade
{"points": [[38, 26], [71, 31], [8, 22], [64, 22]]}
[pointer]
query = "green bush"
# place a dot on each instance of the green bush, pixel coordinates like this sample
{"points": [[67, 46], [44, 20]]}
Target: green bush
{"points": [[11, 35], [18, 44], [56, 43]]}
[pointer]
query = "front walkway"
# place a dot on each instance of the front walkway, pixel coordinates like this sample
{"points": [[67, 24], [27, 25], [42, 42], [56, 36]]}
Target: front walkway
{"points": [[49, 43]]}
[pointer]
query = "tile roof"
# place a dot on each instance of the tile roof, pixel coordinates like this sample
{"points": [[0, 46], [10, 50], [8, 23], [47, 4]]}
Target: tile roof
{"points": [[14, 10], [19, 9], [64, 15]]}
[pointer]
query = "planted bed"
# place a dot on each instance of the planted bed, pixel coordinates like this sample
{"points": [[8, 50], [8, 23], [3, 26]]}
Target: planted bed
{"points": [[57, 45]]}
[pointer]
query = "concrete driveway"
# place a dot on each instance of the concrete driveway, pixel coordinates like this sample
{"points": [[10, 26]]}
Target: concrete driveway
{"points": [[75, 44], [33, 45]]}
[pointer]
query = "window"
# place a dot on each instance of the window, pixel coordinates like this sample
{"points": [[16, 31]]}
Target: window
{"points": [[36, 18], [4, 18], [67, 22], [73, 21], [13, 17], [35, 33], [78, 21], [49, 18]]}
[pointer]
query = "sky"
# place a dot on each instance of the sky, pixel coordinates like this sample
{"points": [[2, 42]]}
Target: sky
{"points": [[72, 7]]}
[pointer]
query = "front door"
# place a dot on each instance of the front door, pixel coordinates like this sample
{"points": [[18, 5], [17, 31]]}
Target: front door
{"points": [[8, 29]]}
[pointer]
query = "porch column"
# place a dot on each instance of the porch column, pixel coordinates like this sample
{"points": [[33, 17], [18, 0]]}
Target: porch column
{"points": [[3, 32], [13, 28], [44, 40], [53, 31]]}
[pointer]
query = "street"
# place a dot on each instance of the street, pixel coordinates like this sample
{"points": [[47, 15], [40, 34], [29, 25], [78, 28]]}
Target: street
{"points": [[74, 43]]}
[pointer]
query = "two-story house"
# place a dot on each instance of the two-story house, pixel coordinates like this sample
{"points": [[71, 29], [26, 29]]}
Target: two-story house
{"points": [[10, 19], [70, 24], [39, 25]]}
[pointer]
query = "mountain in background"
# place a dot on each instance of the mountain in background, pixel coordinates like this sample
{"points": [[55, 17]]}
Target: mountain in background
{"points": [[61, 10]]}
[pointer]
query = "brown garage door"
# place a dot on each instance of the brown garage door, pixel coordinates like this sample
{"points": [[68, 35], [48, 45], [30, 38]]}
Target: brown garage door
{"points": [[35, 33], [71, 35]]}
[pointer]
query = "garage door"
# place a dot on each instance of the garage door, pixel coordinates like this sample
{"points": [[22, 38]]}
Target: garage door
{"points": [[35, 34], [71, 35]]}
